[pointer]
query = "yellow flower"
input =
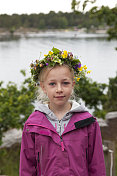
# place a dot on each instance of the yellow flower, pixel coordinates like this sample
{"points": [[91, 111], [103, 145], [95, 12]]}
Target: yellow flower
{"points": [[45, 55], [80, 69], [78, 79], [50, 53], [89, 71], [41, 65], [64, 55], [85, 67]]}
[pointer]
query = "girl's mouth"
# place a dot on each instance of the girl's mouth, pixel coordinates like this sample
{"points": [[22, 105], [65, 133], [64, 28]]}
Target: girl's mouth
{"points": [[59, 97]]}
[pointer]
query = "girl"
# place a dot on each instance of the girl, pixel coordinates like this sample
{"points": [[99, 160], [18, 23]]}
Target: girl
{"points": [[60, 138]]}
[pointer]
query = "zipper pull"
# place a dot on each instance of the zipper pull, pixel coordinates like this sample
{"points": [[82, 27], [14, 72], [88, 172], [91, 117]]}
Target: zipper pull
{"points": [[62, 145]]}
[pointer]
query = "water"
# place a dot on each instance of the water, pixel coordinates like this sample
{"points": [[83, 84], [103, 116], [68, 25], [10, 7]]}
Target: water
{"points": [[93, 49]]}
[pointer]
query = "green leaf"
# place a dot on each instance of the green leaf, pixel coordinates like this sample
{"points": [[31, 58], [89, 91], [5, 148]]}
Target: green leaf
{"points": [[55, 50], [23, 72]]}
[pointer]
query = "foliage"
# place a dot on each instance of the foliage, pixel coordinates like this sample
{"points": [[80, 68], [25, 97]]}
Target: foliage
{"points": [[76, 4], [101, 98], [9, 160], [93, 95], [106, 16], [15, 105], [111, 103], [42, 21]]}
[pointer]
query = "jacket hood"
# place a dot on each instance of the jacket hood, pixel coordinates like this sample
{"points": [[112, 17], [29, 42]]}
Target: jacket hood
{"points": [[76, 107]]}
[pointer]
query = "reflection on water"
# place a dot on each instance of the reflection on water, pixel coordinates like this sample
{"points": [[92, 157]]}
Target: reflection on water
{"points": [[9, 37], [53, 34], [93, 49], [65, 35]]}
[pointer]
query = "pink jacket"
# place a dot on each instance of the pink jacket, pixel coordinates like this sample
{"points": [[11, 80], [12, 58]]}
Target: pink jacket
{"points": [[77, 152]]}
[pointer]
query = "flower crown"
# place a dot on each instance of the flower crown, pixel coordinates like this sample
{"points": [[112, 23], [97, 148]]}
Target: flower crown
{"points": [[57, 57]]}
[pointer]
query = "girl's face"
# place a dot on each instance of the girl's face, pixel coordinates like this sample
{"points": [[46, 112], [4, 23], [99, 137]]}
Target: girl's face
{"points": [[58, 85]]}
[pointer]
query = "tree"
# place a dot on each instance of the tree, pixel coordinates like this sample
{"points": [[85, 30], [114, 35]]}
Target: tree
{"points": [[111, 103], [15, 105], [76, 4], [102, 98], [92, 93], [105, 15]]}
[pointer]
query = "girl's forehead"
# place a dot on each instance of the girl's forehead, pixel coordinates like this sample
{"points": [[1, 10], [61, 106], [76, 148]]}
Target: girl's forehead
{"points": [[60, 71], [62, 68]]}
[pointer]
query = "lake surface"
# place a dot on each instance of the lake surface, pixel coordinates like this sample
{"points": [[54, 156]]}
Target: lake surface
{"points": [[93, 50]]}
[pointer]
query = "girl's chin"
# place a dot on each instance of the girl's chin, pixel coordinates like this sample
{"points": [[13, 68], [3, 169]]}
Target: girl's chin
{"points": [[59, 103]]}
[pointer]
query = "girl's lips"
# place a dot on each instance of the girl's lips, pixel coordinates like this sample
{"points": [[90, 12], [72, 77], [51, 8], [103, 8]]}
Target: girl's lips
{"points": [[60, 97]]}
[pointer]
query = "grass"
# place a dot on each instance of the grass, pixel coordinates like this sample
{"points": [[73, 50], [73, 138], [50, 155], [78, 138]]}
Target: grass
{"points": [[9, 160]]}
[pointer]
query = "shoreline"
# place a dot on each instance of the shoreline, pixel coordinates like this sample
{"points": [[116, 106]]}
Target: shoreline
{"points": [[27, 31]]}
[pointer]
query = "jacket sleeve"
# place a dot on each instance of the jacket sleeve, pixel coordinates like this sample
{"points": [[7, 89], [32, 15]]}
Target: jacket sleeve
{"points": [[27, 155], [96, 164]]}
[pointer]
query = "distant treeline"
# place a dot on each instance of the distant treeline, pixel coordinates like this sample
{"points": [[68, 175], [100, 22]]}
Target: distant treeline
{"points": [[93, 19], [51, 20]]}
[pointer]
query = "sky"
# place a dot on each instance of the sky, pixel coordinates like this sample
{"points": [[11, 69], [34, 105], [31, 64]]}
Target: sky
{"points": [[43, 6]]}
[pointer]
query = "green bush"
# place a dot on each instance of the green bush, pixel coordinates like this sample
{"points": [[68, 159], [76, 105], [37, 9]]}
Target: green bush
{"points": [[9, 160], [16, 104]]}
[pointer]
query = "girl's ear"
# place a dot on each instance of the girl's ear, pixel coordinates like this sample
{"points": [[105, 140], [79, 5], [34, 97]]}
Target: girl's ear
{"points": [[43, 87], [73, 83]]}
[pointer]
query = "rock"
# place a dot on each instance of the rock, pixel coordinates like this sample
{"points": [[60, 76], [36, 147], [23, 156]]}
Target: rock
{"points": [[11, 137]]}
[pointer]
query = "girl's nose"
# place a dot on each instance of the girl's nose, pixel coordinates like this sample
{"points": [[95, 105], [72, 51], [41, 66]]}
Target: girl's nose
{"points": [[59, 89]]}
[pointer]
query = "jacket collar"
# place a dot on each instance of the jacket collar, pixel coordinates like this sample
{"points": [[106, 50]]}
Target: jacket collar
{"points": [[77, 118], [39, 119], [76, 107]]}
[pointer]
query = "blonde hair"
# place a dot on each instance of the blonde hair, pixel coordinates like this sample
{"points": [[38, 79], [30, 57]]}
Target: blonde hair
{"points": [[41, 96], [46, 70]]}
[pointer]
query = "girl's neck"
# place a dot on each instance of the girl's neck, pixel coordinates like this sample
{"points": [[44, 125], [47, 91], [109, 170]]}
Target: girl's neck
{"points": [[60, 111]]}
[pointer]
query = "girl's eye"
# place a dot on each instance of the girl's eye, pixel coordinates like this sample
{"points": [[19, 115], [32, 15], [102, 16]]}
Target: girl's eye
{"points": [[52, 84], [66, 83]]}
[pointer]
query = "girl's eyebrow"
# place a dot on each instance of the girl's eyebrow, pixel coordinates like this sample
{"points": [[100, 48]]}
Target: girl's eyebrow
{"points": [[51, 80], [65, 79]]}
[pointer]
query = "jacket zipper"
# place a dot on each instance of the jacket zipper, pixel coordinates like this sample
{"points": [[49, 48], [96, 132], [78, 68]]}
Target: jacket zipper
{"points": [[62, 145]]}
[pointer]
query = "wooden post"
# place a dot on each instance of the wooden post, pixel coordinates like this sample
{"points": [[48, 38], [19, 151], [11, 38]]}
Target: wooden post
{"points": [[109, 156]]}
